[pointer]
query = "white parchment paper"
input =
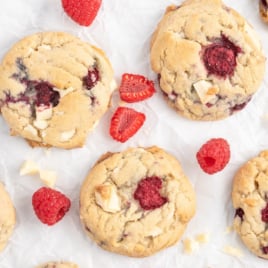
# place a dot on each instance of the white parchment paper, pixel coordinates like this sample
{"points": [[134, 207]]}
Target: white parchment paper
{"points": [[123, 29]]}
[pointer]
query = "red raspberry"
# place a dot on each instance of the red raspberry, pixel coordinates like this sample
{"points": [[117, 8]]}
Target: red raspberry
{"points": [[82, 11], [50, 205], [147, 193], [264, 214], [220, 57], [214, 155]]}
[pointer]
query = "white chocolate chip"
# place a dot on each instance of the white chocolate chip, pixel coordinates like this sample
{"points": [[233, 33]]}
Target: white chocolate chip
{"points": [[205, 90], [233, 251], [67, 135], [44, 47], [48, 177], [43, 112], [31, 129], [40, 124], [155, 232], [190, 245], [113, 85], [106, 197], [29, 167]]}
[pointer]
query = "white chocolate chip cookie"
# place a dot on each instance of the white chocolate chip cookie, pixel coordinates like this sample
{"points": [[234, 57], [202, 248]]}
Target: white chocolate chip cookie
{"points": [[54, 88], [136, 202], [250, 200], [208, 59]]}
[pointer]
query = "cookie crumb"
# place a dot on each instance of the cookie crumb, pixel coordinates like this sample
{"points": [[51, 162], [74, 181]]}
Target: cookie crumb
{"points": [[190, 245], [233, 251], [202, 238]]}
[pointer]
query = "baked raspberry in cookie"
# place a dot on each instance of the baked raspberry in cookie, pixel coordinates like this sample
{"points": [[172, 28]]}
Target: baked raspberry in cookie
{"points": [[7, 217], [208, 59], [58, 265], [136, 202], [250, 200], [54, 88], [263, 8]]}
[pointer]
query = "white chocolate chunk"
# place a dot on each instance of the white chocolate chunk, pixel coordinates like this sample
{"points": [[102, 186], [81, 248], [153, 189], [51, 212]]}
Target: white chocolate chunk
{"points": [[40, 124], [43, 112], [205, 90], [113, 85], [48, 177], [190, 245], [106, 197], [67, 135], [44, 47], [233, 251], [31, 129], [29, 167]]}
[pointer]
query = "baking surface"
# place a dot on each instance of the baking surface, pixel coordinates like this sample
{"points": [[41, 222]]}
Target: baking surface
{"points": [[123, 29]]}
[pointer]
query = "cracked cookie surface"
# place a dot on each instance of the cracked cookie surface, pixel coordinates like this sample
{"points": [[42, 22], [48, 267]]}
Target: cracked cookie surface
{"points": [[7, 217], [250, 200], [208, 59], [58, 265], [136, 202], [54, 88]]}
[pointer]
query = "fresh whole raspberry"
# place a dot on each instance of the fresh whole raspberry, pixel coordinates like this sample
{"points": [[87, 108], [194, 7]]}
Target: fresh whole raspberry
{"points": [[50, 205], [214, 155], [135, 88], [264, 214], [82, 11], [147, 193], [220, 57]]}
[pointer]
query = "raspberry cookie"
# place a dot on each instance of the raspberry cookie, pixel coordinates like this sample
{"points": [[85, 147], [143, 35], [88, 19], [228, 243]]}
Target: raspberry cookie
{"points": [[7, 217], [54, 88], [208, 59], [263, 7], [58, 265], [136, 202], [250, 199]]}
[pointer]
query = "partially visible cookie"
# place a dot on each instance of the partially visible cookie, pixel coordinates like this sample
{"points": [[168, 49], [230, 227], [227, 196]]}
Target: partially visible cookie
{"points": [[263, 8], [7, 217], [250, 200], [209, 60], [58, 265], [54, 88], [136, 202]]}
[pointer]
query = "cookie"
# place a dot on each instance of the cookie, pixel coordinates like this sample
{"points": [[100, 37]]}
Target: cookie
{"points": [[209, 60], [7, 217], [54, 88], [136, 202], [263, 9], [250, 200], [58, 265]]}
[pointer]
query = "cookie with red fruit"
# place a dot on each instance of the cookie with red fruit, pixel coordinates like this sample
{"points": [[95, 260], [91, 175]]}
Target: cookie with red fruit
{"points": [[208, 58], [54, 89], [250, 201], [132, 197]]}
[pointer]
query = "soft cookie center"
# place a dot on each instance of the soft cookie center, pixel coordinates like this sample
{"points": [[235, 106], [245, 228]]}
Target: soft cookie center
{"points": [[220, 57], [148, 193]]}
